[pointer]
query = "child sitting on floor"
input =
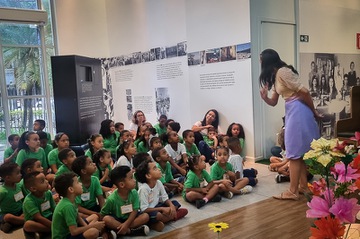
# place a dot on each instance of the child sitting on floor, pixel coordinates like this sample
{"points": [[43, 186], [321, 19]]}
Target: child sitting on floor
{"points": [[237, 162], [102, 159], [11, 152], [91, 187], [121, 210], [155, 142], [29, 166], [195, 189], [66, 221], [38, 206], [222, 173], [154, 199], [67, 157], [177, 152], [172, 186], [189, 143], [11, 197]]}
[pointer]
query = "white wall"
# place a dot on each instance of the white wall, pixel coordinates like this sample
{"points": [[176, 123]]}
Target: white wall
{"points": [[331, 25], [81, 27]]}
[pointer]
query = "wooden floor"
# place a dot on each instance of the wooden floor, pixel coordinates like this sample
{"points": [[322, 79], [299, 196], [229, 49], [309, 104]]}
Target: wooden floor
{"points": [[270, 218]]}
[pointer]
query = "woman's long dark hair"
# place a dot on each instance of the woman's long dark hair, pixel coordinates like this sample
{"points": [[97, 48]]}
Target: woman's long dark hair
{"points": [[270, 63], [215, 123], [105, 129]]}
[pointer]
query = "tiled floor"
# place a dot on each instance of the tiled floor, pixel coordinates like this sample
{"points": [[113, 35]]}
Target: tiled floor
{"points": [[265, 189]]}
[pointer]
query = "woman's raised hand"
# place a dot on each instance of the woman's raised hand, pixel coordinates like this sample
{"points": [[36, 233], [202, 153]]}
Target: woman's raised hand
{"points": [[264, 92]]}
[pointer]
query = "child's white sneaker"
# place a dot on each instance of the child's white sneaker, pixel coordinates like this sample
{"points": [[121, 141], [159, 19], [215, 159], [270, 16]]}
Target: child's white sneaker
{"points": [[245, 190], [228, 195], [113, 234]]}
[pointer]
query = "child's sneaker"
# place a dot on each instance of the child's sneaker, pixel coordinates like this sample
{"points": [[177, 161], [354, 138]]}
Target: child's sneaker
{"points": [[199, 203], [180, 213], [228, 195], [113, 234], [217, 198], [140, 231], [246, 189], [157, 226], [282, 178]]}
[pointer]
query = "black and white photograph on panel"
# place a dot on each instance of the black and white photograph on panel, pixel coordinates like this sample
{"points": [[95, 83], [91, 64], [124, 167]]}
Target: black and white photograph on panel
{"points": [[243, 51], [162, 52], [145, 56], [129, 108], [202, 58], [137, 57], [228, 53], [152, 55], [182, 48], [129, 99], [120, 61], [162, 101], [171, 51], [107, 88], [193, 58], [128, 59], [329, 78], [128, 91], [213, 55], [157, 53]]}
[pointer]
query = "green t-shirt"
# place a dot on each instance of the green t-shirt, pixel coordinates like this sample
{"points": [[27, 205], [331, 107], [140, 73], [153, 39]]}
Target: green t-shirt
{"points": [[97, 172], [217, 172], [159, 130], [166, 173], [208, 141], [23, 188], [142, 148], [111, 143], [88, 198], [63, 169], [193, 181], [88, 154], [25, 154], [114, 203], [65, 215], [47, 150], [242, 143], [193, 150], [8, 152], [11, 199], [32, 205], [54, 159]]}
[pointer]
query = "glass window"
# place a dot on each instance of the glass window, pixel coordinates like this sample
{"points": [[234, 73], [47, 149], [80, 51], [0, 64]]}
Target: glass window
{"points": [[19, 34], [29, 4]]}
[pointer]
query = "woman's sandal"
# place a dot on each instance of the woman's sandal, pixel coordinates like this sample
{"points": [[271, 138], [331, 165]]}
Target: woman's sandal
{"points": [[287, 195]]}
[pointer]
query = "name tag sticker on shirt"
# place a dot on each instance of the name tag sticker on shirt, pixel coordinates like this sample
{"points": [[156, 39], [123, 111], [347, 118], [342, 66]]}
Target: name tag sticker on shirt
{"points": [[85, 196], [151, 197], [45, 206], [18, 196], [126, 209]]}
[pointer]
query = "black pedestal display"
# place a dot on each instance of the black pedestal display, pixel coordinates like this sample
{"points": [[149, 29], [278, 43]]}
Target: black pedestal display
{"points": [[78, 96]]}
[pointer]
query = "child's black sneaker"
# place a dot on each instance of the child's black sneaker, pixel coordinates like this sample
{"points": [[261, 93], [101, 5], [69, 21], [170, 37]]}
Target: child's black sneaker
{"points": [[113, 234], [140, 231], [217, 198], [282, 178], [199, 203]]}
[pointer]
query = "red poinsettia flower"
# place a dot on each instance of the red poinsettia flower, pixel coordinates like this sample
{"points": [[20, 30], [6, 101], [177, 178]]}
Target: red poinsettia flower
{"points": [[357, 137], [355, 164], [317, 187], [327, 227], [340, 147]]}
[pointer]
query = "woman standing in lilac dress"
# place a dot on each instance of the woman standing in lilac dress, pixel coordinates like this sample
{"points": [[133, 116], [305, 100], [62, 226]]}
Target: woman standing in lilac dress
{"points": [[300, 116]]}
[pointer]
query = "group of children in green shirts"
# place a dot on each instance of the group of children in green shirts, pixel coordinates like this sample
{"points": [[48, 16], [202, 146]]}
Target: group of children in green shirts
{"points": [[137, 191]]}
